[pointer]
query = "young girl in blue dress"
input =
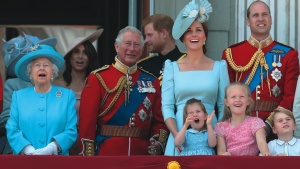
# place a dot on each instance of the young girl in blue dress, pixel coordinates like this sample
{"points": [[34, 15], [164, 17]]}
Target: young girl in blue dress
{"points": [[196, 137]]}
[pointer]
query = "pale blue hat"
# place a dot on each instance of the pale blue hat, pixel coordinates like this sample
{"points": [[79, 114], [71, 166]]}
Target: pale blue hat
{"points": [[34, 52], [17, 47], [195, 10]]}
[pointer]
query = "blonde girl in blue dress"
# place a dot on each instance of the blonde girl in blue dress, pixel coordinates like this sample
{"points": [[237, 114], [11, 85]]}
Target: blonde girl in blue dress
{"points": [[196, 137]]}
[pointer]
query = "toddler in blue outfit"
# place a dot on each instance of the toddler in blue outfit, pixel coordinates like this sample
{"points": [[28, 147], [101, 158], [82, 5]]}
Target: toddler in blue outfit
{"points": [[196, 136]]}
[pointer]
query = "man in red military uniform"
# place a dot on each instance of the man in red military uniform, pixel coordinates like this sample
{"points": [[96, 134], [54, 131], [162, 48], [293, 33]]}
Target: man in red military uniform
{"points": [[120, 108], [270, 68]]}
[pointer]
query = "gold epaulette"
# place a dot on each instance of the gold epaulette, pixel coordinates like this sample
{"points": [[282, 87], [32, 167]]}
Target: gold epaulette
{"points": [[145, 58], [146, 71], [181, 57], [285, 45], [100, 69]]}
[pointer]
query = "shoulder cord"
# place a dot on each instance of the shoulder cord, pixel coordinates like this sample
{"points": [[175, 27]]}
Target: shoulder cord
{"points": [[257, 58], [121, 83]]}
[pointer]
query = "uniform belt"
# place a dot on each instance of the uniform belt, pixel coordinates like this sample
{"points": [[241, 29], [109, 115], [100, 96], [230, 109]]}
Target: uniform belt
{"points": [[265, 105], [121, 131]]}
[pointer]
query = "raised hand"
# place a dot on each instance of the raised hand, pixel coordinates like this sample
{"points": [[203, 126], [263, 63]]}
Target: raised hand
{"points": [[189, 119], [210, 118]]}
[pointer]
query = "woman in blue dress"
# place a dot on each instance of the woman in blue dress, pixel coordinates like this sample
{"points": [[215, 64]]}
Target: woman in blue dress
{"points": [[195, 75]]}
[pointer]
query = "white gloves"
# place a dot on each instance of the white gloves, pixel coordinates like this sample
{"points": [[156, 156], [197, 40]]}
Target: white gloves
{"points": [[50, 149], [29, 150]]}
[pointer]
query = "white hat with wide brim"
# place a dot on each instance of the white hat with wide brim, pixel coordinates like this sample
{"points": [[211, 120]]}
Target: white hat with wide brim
{"points": [[94, 36]]}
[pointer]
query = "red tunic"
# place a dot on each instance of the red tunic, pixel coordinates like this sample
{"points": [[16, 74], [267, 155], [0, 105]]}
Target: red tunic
{"points": [[91, 97], [241, 55]]}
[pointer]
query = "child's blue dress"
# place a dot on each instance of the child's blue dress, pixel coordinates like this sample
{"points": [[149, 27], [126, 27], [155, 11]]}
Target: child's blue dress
{"points": [[196, 143]]}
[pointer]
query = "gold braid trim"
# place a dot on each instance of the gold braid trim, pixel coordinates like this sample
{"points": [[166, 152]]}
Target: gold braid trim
{"points": [[257, 58], [121, 83], [239, 68], [253, 70]]}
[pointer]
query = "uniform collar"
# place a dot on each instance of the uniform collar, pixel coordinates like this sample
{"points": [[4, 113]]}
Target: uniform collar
{"points": [[291, 142], [123, 68], [260, 44]]}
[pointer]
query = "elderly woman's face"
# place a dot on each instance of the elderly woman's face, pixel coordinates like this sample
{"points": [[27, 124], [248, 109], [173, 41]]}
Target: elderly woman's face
{"points": [[41, 71]]}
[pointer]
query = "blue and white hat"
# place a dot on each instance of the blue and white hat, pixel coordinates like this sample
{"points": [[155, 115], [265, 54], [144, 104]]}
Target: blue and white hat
{"points": [[17, 47], [195, 10]]}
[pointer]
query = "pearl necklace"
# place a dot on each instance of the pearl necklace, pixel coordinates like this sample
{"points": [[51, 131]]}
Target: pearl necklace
{"points": [[43, 92]]}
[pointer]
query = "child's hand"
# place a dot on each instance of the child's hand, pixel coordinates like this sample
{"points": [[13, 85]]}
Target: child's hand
{"points": [[189, 119], [210, 118], [226, 154], [179, 149], [281, 154], [267, 154]]}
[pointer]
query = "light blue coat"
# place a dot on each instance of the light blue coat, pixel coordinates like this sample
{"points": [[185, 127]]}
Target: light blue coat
{"points": [[39, 119]]}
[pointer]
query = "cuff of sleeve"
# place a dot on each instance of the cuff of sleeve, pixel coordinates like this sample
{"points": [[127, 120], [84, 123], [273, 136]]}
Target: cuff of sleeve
{"points": [[88, 147]]}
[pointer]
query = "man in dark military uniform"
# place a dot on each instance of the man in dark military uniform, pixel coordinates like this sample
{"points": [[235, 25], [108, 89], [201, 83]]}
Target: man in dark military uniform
{"points": [[157, 30], [270, 68], [120, 107]]}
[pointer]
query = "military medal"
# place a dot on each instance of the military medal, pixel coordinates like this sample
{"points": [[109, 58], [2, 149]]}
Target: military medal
{"points": [[279, 61], [145, 87], [274, 61], [276, 75], [143, 115], [147, 103], [140, 89], [276, 90]]}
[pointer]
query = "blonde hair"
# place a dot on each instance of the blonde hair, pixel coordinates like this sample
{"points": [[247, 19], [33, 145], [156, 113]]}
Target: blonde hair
{"points": [[284, 111], [190, 102], [227, 113]]}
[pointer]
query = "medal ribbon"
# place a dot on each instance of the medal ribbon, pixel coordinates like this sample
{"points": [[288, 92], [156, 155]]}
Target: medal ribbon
{"points": [[269, 59]]}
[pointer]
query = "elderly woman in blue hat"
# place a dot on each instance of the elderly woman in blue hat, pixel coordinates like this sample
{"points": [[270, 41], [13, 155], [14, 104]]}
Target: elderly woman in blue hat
{"points": [[14, 50], [194, 76], [42, 117]]}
